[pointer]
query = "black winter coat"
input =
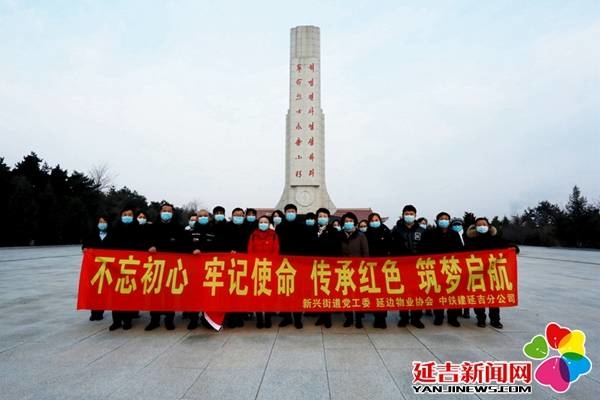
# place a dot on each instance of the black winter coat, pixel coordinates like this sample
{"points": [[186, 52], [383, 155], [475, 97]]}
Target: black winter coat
{"points": [[380, 241], [407, 239], [168, 236], [292, 238], [441, 241]]}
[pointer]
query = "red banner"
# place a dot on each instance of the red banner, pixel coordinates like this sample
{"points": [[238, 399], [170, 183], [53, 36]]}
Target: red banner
{"points": [[136, 280]]}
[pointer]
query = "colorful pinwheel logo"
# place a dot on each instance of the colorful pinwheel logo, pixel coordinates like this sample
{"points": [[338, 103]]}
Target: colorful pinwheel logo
{"points": [[560, 371]]}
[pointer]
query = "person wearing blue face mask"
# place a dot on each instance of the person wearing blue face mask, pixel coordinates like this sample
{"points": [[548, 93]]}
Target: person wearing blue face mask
{"points": [[126, 236], [483, 236], [219, 226], [326, 244], [352, 243], [379, 238], [406, 240], [236, 239], [263, 242], [166, 235], [100, 238], [292, 241], [201, 239], [277, 217], [443, 239], [251, 222]]}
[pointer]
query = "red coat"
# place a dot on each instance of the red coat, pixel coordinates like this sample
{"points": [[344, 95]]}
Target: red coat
{"points": [[263, 242]]}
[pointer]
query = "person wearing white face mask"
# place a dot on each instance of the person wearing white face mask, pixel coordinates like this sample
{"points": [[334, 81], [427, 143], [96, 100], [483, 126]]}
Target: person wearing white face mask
{"points": [[406, 240], [483, 236]]}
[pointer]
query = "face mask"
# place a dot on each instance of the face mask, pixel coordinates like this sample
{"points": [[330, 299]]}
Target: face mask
{"points": [[203, 220], [290, 216], [141, 221], [483, 229], [166, 216], [310, 222], [348, 226], [263, 226], [276, 220], [219, 217], [323, 221], [338, 228], [102, 226], [251, 218], [237, 220], [443, 223], [363, 229], [126, 219], [424, 226], [375, 224], [409, 219], [191, 223], [456, 228]]}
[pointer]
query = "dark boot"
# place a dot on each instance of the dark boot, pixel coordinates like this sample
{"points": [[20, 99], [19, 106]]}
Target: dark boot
{"points": [[154, 321], [268, 323], [287, 319], [259, 320], [349, 319], [117, 317], [169, 318], [96, 315], [298, 320]]}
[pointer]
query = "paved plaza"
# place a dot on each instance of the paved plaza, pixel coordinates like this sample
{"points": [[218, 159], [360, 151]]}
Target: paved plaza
{"points": [[48, 350]]}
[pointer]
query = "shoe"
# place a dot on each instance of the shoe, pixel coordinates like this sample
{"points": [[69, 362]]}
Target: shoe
{"points": [[115, 326], [126, 325], [348, 323], [240, 323], [438, 321], [152, 325], [454, 323], [466, 314], [481, 324], [285, 322], [298, 324], [417, 324], [327, 324], [359, 324], [169, 325], [193, 324], [497, 325], [402, 323], [268, 323], [319, 321]]}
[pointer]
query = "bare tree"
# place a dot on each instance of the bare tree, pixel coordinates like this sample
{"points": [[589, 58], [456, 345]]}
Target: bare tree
{"points": [[101, 176]]}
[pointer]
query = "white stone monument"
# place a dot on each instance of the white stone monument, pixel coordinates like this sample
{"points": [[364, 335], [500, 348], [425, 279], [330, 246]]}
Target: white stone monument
{"points": [[305, 135]]}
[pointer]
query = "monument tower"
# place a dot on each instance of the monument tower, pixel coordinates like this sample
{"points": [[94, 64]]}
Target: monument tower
{"points": [[305, 135]]}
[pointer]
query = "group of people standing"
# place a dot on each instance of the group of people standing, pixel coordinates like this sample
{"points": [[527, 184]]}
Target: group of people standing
{"points": [[282, 233]]}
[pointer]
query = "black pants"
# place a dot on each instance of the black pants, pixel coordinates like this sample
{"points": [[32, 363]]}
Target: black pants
{"points": [[155, 316], [452, 314], [352, 316], [414, 315], [494, 313], [297, 316], [123, 316]]}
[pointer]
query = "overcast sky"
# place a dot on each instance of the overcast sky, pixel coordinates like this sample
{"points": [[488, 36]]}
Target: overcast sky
{"points": [[463, 105]]}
